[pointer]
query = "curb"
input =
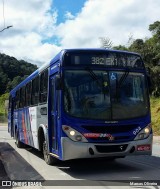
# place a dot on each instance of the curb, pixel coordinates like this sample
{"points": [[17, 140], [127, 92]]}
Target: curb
{"points": [[3, 124]]}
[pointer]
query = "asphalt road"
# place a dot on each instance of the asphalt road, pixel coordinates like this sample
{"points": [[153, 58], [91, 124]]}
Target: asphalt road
{"points": [[28, 164]]}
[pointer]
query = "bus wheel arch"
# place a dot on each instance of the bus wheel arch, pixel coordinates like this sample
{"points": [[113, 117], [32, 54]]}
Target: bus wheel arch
{"points": [[43, 147], [18, 143], [41, 138], [15, 130]]}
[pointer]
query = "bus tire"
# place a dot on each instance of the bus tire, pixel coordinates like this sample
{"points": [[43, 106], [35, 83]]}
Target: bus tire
{"points": [[50, 160], [19, 144]]}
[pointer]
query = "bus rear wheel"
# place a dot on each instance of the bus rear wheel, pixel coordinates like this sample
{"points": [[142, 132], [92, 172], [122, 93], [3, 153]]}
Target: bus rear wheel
{"points": [[50, 160]]}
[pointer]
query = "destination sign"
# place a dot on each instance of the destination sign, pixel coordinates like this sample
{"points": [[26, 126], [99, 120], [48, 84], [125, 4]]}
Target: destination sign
{"points": [[109, 59], [102, 61]]}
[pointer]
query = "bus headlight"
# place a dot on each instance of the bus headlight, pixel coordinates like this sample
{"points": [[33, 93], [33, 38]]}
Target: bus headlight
{"points": [[73, 134], [144, 133]]}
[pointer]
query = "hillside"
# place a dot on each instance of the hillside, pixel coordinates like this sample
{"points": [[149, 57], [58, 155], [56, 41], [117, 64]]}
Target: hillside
{"points": [[12, 72]]}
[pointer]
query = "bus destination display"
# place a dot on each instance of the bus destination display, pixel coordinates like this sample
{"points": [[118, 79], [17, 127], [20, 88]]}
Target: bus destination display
{"points": [[110, 60]]}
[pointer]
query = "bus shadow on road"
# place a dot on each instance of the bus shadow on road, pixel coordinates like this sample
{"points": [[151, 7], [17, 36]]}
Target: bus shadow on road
{"points": [[34, 151], [142, 167], [16, 166]]}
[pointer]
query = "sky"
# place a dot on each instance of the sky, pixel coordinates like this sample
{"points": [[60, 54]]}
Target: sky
{"points": [[42, 28]]}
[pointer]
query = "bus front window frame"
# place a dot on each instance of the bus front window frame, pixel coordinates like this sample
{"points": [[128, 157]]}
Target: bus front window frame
{"points": [[141, 102]]}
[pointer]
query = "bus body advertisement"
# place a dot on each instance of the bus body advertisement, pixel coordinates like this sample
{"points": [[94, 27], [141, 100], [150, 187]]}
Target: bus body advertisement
{"points": [[85, 103]]}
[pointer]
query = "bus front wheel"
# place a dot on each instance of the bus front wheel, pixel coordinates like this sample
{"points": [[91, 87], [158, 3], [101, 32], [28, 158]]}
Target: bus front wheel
{"points": [[50, 160]]}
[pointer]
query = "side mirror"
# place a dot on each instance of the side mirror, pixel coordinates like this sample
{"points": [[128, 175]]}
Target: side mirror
{"points": [[58, 82]]}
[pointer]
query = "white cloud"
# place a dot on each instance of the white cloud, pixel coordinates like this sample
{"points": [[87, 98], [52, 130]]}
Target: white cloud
{"points": [[30, 48], [34, 23], [69, 15], [113, 19]]}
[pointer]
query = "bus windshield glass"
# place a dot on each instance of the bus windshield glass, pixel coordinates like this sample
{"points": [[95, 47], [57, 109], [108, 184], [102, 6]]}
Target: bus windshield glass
{"points": [[105, 95]]}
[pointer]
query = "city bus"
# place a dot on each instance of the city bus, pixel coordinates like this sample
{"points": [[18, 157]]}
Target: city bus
{"points": [[84, 103]]}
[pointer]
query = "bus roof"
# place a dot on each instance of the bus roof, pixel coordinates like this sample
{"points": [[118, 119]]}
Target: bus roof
{"points": [[98, 49]]}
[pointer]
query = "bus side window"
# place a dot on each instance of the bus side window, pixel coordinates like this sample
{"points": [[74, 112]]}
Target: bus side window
{"points": [[43, 87], [35, 91], [22, 97], [28, 94], [17, 100]]}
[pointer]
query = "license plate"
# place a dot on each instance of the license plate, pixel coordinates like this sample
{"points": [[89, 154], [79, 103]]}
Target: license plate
{"points": [[146, 147]]}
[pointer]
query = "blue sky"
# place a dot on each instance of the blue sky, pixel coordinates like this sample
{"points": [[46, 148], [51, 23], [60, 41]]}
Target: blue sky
{"points": [[63, 6], [41, 28]]}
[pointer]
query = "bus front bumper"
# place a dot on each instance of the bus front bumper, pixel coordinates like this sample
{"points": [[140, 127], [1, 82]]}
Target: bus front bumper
{"points": [[76, 150]]}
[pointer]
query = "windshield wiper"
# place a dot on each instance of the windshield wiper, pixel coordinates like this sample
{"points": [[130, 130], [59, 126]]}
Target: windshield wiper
{"points": [[120, 83], [123, 78], [94, 76]]}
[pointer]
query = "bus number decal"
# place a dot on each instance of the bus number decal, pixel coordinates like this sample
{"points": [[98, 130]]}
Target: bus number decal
{"points": [[136, 131], [98, 60]]}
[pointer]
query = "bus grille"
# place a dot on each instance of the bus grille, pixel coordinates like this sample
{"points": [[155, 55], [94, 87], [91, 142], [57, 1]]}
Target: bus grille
{"points": [[110, 149], [110, 129], [115, 138]]}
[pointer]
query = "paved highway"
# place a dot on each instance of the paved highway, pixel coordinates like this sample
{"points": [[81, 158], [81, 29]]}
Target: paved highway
{"points": [[28, 164]]}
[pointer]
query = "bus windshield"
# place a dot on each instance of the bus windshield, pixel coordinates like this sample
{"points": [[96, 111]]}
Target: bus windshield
{"points": [[105, 95]]}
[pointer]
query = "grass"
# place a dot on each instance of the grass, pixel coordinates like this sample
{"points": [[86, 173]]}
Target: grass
{"points": [[155, 113], [2, 103], [3, 111]]}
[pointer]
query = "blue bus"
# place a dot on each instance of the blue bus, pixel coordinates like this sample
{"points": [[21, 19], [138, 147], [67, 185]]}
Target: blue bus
{"points": [[85, 103]]}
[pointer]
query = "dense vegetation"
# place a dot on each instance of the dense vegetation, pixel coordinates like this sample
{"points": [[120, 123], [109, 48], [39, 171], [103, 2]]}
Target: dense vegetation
{"points": [[155, 112], [2, 103], [13, 72]]}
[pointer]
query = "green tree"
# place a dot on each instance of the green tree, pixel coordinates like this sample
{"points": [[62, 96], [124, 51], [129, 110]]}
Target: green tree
{"points": [[155, 75], [155, 28], [13, 72], [120, 47], [14, 82], [3, 82], [138, 46]]}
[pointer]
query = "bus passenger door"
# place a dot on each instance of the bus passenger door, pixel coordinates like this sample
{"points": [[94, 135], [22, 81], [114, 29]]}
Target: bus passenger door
{"points": [[53, 116]]}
